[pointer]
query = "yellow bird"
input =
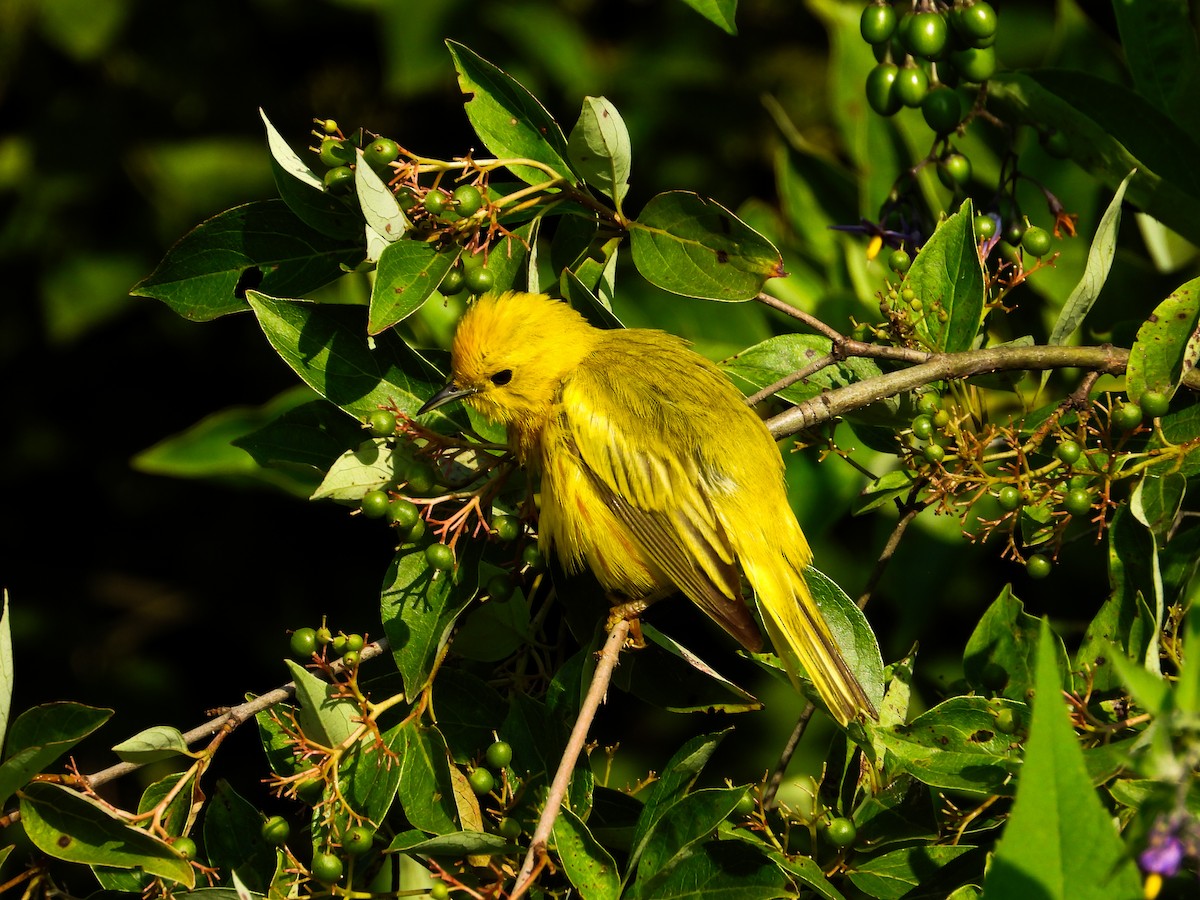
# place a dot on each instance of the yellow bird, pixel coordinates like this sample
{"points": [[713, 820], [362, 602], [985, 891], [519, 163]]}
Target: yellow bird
{"points": [[655, 474]]}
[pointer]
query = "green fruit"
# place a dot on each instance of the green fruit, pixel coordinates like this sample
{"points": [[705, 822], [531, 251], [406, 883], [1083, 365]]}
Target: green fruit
{"points": [[1006, 722], [420, 478], [185, 847], [509, 828], [841, 832], [934, 453], [334, 153], [326, 868], [482, 781], [439, 891], [380, 152], [1055, 143], [435, 203], [1038, 566], [339, 178], [339, 645], [381, 423], [417, 531], [479, 280], [976, 22], [899, 261], [922, 427], [355, 642], [877, 23], [375, 504], [499, 754], [275, 831], [925, 35], [1155, 404], [1078, 502], [1013, 234], [929, 404], [452, 282], [303, 643], [974, 64], [467, 200], [350, 659], [532, 557], [404, 513], [1127, 416], [439, 557], [911, 86], [1036, 241], [500, 588], [880, 89], [506, 528], [1068, 452], [954, 170], [985, 227], [311, 791], [329, 126], [323, 636], [1009, 498], [745, 806], [942, 109], [358, 840]]}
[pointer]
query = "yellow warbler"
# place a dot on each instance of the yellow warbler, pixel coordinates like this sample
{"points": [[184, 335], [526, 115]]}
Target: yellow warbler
{"points": [[654, 473]]}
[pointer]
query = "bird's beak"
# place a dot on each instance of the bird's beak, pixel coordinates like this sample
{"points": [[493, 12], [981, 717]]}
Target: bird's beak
{"points": [[448, 394]]}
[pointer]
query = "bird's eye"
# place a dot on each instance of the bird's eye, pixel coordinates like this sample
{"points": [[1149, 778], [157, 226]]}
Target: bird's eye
{"points": [[501, 378]]}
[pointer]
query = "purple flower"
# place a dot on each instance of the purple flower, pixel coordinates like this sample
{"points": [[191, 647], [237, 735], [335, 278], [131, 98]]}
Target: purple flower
{"points": [[1164, 850]]}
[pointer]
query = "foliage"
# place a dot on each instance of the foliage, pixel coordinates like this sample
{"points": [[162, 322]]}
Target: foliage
{"points": [[955, 391]]}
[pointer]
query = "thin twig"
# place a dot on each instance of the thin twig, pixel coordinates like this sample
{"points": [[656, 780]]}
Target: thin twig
{"points": [[885, 556], [535, 859], [785, 758]]}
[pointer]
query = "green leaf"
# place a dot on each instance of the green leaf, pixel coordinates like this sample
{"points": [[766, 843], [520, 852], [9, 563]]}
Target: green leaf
{"points": [[677, 680], [408, 274], [777, 357], [1167, 345], [600, 150], [494, 631], [261, 244], [1156, 502], [6, 673], [233, 838], [948, 275], [885, 489], [807, 871], [508, 119], [1159, 43], [425, 789], [587, 865], [303, 439], [719, 12], [718, 870], [386, 221], [372, 465], [538, 735], [153, 745], [1111, 131], [893, 711], [40, 735], [1123, 620], [892, 875], [468, 710], [65, 824], [1151, 692], [1181, 427], [1095, 273], [688, 820], [457, 843], [851, 632], [957, 746], [1059, 841], [328, 348], [1001, 653], [326, 715], [369, 776], [688, 245]]}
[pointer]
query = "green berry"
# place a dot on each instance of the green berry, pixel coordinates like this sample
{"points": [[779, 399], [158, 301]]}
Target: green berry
{"points": [[954, 170], [350, 659], [354, 642], [532, 557], [303, 643], [509, 828], [925, 35], [339, 645], [339, 178], [506, 528], [975, 64], [745, 806], [942, 109], [929, 404], [439, 891], [912, 86], [416, 532], [375, 504], [880, 89], [1055, 143], [500, 588], [941, 419], [334, 153], [1009, 498], [381, 423], [452, 282], [922, 427], [380, 152], [329, 126], [479, 280], [1036, 241], [1068, 452], [899, 261], [877, 23], [420, 477], [1038, 566], [499, 754], [275, 831], [976, 22], [934, 453], [184, 846], [358, 840], [841, 832], [439, 557], [985, 227], [435, 203], [1078, 502], [323, 636], [1013, 234], [1155, 404], [1127, 416], [404, 513], [467, 200], [326, 868], [1006, 722], [482, 781]]}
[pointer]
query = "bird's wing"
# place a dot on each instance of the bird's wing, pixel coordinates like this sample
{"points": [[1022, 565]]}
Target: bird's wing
{"points": [[637, 446]]}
